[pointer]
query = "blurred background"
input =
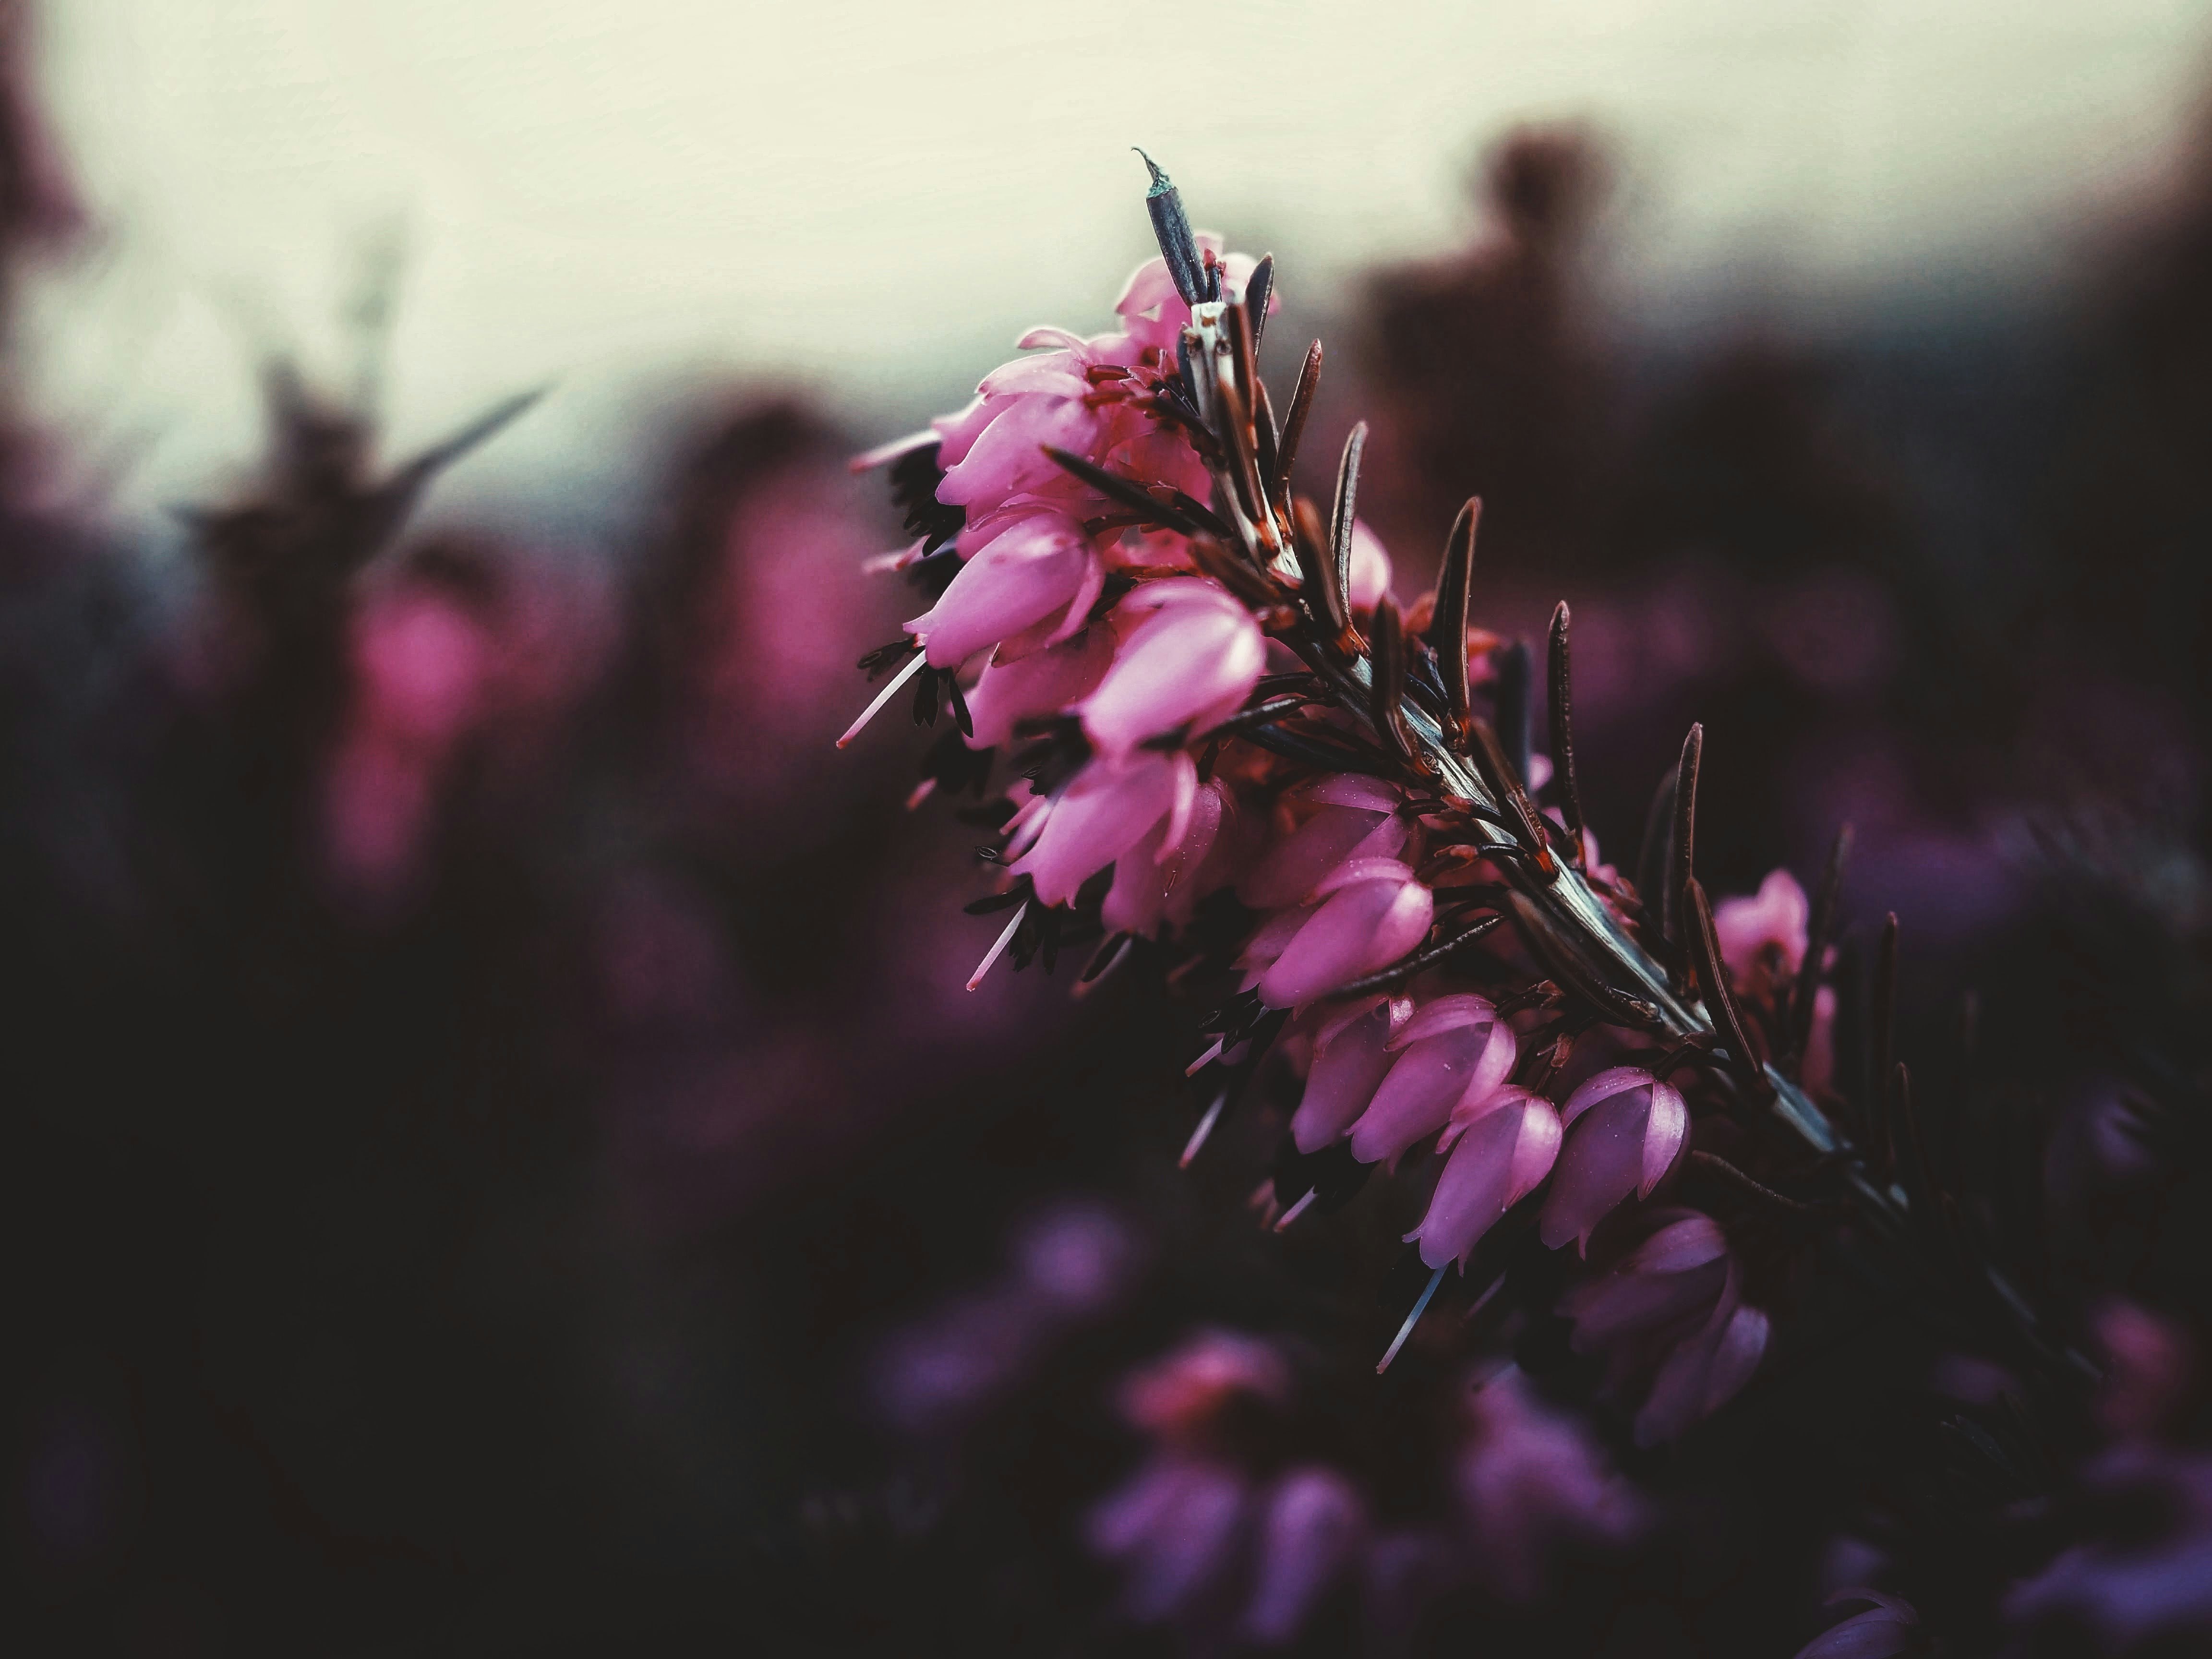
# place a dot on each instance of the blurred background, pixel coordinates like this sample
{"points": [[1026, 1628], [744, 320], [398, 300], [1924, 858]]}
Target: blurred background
{"points": [[498, 1155]]}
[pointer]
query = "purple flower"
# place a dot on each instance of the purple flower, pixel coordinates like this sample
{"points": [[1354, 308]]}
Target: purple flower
{"points": [[1175, 1529], [2129, 1590], [1671, 1311], [1455, 1051], [1502, 1145], [1625, 1130], [1371, 912], [1314, 1527], [1888, 1628], [1532, 1480], [1187, 654]]}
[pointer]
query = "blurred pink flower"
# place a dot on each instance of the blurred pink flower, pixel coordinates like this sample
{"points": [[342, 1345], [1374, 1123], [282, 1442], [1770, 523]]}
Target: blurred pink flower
{"points": [[1769, 926], [1175, 1529], [1179, 1396], [1314, 1530], [1532, 1482]]}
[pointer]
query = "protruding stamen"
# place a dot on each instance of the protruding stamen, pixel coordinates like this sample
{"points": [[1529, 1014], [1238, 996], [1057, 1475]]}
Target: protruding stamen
{"points": [[1204, 1128], [1411, 1319], [998, 950], [913, 668], [1298, 1208], [922, 791], [1206, 1059]]}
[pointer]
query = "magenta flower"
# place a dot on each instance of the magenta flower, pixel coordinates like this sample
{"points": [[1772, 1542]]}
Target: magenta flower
{"points": [[1357, 819], [1179, 1397], [1314, 1530], [1159, 879], [1455, 1051], [1175, 1529], [1371, 912], [1532, 1482], [1885, 1629], [2134, 1585], [1042, 683], [1103, 813], [1187, 654], [1037, 569], [1769, 927], [1671, 1311], [1625, 1130], [1350, 1057], [1502, 1143]]}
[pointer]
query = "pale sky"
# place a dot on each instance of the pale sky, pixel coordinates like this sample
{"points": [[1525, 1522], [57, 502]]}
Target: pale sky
{"points": [[876, 198]]}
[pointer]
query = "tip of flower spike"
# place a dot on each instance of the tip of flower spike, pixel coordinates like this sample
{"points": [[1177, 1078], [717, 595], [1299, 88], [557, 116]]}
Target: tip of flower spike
{"points": [[1161, 183]]}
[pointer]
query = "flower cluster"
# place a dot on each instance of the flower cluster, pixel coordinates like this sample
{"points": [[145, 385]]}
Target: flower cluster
{"points": [[1236, 1525], [1230, 745]]}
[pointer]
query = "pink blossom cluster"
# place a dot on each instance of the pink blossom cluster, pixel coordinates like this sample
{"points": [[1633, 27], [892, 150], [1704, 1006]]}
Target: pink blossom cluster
{"points": [[1222, 1531], [1198, 746]]}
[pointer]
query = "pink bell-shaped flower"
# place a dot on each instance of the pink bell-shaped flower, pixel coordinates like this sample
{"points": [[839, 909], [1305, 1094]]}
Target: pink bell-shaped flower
{"points": [[1101, 815], [1037, 566], [1625, 1129], [1351, 1056], [1671, 1311], [1315, 1525], [1771, 926], [1502, 1145], [1356, 818], [1373, 912], [1041, 684], [1154, 879], [1007, 456], [1456, 1051], [1188, 655]]}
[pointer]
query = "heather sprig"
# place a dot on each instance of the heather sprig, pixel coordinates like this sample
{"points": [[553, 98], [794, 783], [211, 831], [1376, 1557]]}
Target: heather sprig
{"points": [[1228, 740]]}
